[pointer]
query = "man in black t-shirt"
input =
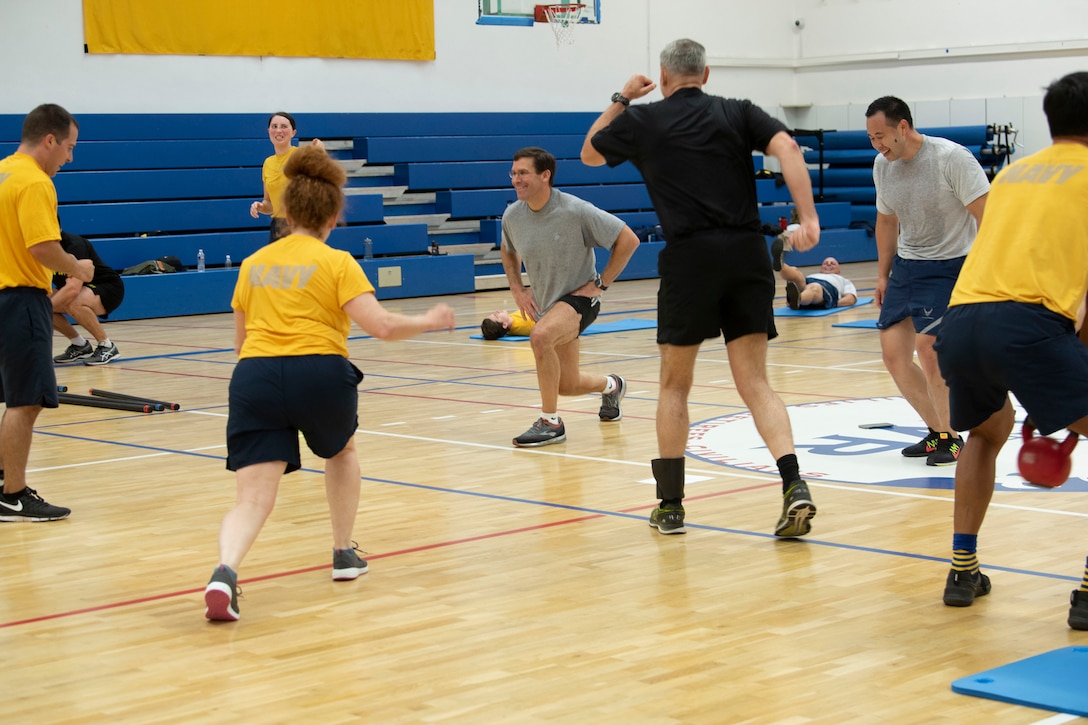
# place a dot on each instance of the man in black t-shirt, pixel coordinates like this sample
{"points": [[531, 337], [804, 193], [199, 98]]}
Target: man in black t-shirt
{"points": [[85, 303], [695, 154]]}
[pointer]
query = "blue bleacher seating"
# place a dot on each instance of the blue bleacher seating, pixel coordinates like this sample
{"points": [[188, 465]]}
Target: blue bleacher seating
{"points": [[491, 174], [847, 157], [143, 186], [414, 149]]}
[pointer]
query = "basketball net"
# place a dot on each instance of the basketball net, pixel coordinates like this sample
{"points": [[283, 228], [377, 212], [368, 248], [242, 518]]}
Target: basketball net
{"points": [[563, 18]]}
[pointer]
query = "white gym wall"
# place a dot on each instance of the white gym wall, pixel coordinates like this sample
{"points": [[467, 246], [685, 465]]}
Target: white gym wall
{"points": [[956, 61]]}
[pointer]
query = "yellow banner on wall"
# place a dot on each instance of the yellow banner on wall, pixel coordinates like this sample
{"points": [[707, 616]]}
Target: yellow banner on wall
{"points": [[386, 29]]}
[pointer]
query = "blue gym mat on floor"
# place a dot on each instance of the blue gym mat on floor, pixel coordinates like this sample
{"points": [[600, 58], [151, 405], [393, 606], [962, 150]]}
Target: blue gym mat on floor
{"points": [[597, 328], [864, 324], [1051, 681], [808, 312]]}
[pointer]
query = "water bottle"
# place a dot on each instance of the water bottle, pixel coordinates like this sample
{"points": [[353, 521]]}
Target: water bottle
{"points": [[368, 248], [200, 260], [227, 264]]}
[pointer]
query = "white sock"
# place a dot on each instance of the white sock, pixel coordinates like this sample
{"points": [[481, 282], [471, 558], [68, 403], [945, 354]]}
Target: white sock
{"points": [[609, 385], [551, 418], [78, 341], [105, 342]]}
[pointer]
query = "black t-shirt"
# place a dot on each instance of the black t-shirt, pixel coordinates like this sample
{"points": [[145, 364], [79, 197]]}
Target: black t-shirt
{"points": [[695, 154], [80, 248]]}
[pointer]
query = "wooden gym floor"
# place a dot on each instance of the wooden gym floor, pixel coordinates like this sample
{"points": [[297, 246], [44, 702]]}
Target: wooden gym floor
{"points": [[505, 585]]}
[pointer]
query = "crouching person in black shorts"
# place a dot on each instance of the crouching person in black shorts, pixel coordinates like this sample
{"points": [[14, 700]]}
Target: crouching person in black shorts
{"points": [[85, 303]]}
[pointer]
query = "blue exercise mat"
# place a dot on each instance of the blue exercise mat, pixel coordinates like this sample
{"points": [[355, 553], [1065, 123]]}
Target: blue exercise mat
{"points": [[1052, 681], [821, 312], [864, 324], [597, 328]]}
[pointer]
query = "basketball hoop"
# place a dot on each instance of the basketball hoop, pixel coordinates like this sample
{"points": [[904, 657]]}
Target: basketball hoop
{"points": [[563, 18]]}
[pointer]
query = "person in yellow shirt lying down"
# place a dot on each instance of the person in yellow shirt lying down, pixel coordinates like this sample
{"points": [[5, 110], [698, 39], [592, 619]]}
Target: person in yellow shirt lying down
{"points": [[501, 323]]}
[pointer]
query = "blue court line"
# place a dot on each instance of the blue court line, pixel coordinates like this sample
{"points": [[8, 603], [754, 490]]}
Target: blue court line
{"points": [[601, 512]]}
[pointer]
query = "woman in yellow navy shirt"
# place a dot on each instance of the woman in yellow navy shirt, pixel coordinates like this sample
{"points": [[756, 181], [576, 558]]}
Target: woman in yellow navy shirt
{"points": [[281, 129], [293, 307]]}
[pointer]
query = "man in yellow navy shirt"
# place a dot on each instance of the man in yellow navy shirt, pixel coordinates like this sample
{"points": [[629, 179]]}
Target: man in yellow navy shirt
{"points": [[30, 251], [1010, 324]]}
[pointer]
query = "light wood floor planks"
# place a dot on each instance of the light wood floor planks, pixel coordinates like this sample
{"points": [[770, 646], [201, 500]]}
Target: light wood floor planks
{"points": [[519, 586]]}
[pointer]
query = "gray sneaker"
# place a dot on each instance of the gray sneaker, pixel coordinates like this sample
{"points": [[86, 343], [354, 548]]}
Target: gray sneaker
{"points": [[610, 402], [346, 564], [221, 596], [542, 433], [103, 355], [74, 353]]}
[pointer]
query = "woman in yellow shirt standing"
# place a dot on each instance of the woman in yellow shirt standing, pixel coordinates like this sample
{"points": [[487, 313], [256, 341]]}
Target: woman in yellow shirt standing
{"points": [[293, 306], [281, 129]]}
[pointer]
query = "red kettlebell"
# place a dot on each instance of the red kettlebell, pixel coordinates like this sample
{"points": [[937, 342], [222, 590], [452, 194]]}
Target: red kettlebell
{"points": [[1044, 461]]}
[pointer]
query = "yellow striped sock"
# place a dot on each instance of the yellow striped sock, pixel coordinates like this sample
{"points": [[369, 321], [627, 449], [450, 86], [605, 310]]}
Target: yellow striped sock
{"points": [[963, 560], [1084, 581]]}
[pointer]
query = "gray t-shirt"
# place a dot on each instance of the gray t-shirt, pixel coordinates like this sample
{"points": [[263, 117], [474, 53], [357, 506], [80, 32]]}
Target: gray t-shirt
{"points": [[929, 193], [556, 243]]}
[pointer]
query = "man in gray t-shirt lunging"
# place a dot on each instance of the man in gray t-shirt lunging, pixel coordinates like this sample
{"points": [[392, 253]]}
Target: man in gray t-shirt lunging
{"points": [[930, 194], [554, 234]]}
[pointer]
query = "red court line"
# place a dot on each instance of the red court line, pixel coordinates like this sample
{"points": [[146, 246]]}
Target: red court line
{"points": [[370, 557], [293, 572]]}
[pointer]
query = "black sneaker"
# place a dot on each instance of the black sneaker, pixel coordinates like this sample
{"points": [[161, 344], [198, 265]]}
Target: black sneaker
{"points": [[27, 505], [542, 433], [779, 246], [102, 355], [961, 587], [797, 511], [74, 353], [346, 564], [924, 447], [1078, 609], [221, 596], [947, 452], [610, 402], [793, 296], [668, 519]]}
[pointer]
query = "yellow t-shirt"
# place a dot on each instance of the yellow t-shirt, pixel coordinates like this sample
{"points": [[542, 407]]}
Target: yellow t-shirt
{"points": [[275, 183], [520, 324], [1027, 250], [28, 216], [292, 292]]}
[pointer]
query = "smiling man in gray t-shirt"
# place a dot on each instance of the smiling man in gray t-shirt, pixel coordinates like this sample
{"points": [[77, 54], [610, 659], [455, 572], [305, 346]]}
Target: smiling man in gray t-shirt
{"points": [[554, 234], [930, 194]]}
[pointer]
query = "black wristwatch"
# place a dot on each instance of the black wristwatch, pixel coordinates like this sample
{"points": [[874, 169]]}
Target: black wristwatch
{"points": [[600, 285], [618, 97]]}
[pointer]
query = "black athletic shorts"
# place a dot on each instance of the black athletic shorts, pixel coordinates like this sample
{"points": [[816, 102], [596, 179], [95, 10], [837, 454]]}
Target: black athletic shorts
{"points": [[26, 348], [587, 308], [715, 283], [273, 399], [111, 296]]}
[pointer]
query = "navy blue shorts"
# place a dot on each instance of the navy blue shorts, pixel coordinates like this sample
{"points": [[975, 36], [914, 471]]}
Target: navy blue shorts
{"points": [[26, 348], [715, 283], [989, 349], [587, 308], [273, 399], [919, 289], [831, 295]]}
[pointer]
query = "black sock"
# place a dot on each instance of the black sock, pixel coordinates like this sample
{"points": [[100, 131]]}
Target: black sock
{"points": [[789, 469], [669, 475]]}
